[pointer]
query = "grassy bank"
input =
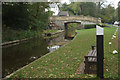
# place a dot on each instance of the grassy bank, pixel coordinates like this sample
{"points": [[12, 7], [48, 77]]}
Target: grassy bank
{"points": [[64, 62], [105, 25], [50, 31]]}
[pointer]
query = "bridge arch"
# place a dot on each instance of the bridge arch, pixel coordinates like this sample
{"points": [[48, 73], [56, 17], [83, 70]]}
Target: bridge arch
{"points": [[68, 22]]}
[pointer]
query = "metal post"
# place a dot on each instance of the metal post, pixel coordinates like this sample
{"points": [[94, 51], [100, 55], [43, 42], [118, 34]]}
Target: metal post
{"points": [[119, 27], [0, 40], [119, 38], [100, 52], [119, 49]]}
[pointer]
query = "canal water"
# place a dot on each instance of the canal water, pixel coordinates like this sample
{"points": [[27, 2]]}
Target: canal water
{"points": [[17, 56]]}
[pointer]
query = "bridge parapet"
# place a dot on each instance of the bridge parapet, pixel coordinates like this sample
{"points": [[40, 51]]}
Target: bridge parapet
{"points": [[79, 18], [61, 20]]}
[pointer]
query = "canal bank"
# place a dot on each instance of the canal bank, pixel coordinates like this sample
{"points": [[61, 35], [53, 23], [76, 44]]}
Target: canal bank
{"points": [[45, 32], [50, 52], [22, 53], [9, 76], [64, 62], [63, 58]]}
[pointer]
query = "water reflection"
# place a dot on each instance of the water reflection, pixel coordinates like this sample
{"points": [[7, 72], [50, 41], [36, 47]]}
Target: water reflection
{"points": [[56, 40], [17, 56], [53, 48]]}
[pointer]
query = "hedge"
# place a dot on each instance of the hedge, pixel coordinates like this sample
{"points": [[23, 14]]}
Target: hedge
{"points": [[89, 26]]}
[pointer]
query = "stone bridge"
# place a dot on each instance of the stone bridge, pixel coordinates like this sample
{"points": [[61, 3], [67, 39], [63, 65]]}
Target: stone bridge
{"points": [[61, 21]]}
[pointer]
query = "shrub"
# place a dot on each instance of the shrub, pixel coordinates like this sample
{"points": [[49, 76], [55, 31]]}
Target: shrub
{"points": [[10, 34], [105, 25], [89, 26]]}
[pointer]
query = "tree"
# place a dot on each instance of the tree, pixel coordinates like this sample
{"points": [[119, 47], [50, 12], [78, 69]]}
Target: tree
{"points": [[24, 15], [15, 15], [38, 18], [80, 8], [107, 14], [88, 8]]}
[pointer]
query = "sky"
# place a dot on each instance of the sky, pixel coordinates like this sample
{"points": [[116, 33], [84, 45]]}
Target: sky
{"points": [[114, 2]]}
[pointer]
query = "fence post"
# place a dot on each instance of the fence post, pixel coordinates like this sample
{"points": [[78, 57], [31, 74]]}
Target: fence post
{"points": [[100, 51]]}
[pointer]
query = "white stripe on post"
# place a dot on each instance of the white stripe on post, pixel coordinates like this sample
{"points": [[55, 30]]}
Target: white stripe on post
{"points": [[99, 30]]}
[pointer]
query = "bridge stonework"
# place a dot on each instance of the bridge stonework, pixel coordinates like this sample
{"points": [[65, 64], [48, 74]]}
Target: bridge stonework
{"points": [[61, 20]]}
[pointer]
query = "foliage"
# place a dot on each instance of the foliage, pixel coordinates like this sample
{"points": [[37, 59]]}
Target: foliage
{"points": [[50, 31], [107, 14], [105, 25], [38, 16], [73, 25], [15, 15], [23, 19], [23, 15], [89, 26], [10, 34], [64, 62], [89, 8], [71, 28], [78, 8]]}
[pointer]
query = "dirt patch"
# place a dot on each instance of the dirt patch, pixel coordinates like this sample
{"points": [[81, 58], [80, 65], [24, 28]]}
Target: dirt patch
{"points": [[81, 68]]}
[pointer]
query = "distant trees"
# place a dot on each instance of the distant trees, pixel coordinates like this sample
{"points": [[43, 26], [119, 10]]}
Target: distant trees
{"points": [[78, 8], [107, 14], [89, 8], [23, 15]]}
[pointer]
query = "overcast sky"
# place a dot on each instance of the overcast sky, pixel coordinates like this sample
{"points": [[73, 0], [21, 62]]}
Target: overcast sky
{"points": [[114, 2]]}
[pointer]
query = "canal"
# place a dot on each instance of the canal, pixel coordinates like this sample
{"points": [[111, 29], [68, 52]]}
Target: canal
{"points": [[16, 56]]}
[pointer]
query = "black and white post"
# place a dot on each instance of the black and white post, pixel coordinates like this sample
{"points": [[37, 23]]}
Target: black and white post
{"points": [[100, 51]]}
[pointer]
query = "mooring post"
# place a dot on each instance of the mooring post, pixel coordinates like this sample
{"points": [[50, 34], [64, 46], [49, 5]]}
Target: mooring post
{"points": [[100, 51]]}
